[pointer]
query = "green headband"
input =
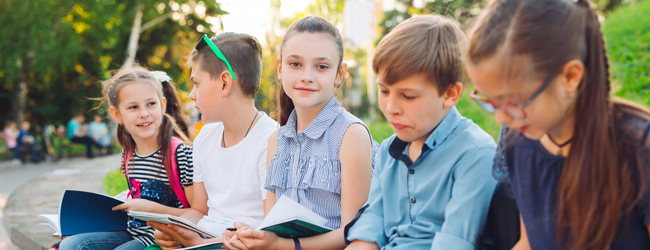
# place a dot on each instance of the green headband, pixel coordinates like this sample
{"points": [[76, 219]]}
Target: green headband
{"points": [[206, 41]]}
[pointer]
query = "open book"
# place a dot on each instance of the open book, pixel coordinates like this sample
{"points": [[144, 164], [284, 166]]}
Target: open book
{"points": [[288, 219], [85, 212], [175, 220]]}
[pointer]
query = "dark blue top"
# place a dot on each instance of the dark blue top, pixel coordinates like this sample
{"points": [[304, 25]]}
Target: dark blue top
{"points": [[21, 135], [534, 174]]}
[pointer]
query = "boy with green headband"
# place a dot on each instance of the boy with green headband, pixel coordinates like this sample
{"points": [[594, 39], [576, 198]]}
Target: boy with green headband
{"points": [[230, 151]]}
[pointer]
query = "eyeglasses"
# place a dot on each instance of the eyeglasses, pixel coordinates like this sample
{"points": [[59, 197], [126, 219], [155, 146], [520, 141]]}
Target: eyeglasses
{"points": [[206, 41], [513, 110]]}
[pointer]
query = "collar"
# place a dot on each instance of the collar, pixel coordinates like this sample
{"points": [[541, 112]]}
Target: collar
{"points": [[317, 127], [440, 133]]}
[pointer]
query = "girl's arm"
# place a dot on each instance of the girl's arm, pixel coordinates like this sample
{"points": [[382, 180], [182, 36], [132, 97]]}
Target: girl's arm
{"points": [[523, 244], [356, 167], [149, 206], [269, 202]]}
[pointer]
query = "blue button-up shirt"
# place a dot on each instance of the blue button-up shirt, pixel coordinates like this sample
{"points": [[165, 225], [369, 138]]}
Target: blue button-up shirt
{"points": [[441, 200]]}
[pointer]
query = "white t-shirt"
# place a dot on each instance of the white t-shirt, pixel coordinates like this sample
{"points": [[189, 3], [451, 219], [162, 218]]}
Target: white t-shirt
{"points": [[234, 177]]}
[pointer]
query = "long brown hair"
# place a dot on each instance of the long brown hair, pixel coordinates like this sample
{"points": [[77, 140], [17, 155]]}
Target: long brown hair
{"points": [[168, 127], [174, 107], [600, 181], [308, 24]]}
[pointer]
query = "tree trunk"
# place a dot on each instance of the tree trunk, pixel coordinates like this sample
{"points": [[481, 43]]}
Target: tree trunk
{"points": [[133, 40], [20, 97]]}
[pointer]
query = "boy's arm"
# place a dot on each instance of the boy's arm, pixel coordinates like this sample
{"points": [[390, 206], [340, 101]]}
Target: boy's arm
{"points": [[470, 199], [199, 199], [369, 226], [269, 198]]}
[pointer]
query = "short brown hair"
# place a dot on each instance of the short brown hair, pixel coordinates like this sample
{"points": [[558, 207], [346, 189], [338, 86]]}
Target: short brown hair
{"points": [[428, 44], [244, 54]]}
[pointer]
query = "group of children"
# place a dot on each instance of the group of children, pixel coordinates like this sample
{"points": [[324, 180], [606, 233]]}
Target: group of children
{"points": [[576, 158]]}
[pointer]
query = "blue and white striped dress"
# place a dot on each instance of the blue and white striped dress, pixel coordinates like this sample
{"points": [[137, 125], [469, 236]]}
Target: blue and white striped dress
{"points": [[306, 166]]}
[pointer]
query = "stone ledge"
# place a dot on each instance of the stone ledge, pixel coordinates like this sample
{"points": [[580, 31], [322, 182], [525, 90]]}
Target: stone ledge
{"points": [[42, 194]]}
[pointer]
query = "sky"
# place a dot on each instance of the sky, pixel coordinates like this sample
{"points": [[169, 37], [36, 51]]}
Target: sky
{"points": [[248, 16]]}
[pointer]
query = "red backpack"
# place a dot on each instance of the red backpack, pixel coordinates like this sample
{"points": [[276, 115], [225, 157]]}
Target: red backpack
{"points": [[174, 179]]}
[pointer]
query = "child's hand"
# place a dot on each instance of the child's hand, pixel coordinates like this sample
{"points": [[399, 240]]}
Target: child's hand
{"points": [[164, 240], [136, 205], [185, 236], [259, 239]]}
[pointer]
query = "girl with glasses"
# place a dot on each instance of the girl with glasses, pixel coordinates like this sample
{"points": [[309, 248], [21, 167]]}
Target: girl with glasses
{"points": [[578, 159]]}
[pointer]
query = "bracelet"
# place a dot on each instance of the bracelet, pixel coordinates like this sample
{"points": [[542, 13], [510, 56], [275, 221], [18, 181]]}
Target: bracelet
{"points": [[296, 242]]}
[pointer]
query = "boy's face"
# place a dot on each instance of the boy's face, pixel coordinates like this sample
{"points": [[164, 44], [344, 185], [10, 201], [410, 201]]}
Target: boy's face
{"points": [[206, 94], [24, 126], [412, 106]]}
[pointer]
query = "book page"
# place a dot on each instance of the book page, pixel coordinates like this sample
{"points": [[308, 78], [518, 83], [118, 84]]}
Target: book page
{"points": [[286, 209], [170, 219], [52, 221]]}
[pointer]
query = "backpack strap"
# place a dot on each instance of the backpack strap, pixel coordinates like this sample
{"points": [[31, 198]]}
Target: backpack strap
{"points": [[134, 185], [174, 179]]}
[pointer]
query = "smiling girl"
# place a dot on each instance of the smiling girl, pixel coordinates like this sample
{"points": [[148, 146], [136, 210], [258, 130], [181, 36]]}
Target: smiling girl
{"points": [[145, 132], [322, 156]]}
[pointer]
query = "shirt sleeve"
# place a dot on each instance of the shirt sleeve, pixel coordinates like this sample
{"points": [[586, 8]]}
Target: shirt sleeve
{"points": [[262, 172], [185, 164], [644, 151], [370, 225], [467, 209], [198, 168]]}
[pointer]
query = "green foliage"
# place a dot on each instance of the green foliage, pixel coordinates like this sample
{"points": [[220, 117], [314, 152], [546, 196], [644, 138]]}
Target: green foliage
{"points": [[63, 49], [462, 11], [470, 109], [115, 182], [627, 33], [380, 130]]}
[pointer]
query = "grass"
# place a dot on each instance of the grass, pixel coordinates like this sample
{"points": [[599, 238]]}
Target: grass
{"points": [[627, 33], [115, 182]]}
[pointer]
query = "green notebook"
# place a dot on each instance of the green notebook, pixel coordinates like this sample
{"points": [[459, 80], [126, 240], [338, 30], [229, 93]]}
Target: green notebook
{"points": [[297, 229], [288, 219]]}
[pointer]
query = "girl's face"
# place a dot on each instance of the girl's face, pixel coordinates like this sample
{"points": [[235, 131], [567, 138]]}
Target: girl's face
{"points": [[547, 111], [140, 109], [403, 102], [206, 94], [98, 119], [308, 68]]}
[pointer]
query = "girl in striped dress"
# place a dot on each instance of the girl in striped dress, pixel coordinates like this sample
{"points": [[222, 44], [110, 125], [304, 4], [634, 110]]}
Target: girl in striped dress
{"points": [[322, 156], [146, 133]]}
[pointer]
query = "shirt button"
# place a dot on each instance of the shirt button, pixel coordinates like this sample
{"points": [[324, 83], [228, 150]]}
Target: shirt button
{"points": [[413, 200], [411, 171], [394, 244]]}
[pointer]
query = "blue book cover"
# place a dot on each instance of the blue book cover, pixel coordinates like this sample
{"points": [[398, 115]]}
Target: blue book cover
{"points": [[85, 212]]}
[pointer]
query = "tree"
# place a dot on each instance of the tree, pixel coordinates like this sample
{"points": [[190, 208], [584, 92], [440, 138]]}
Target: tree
{"points": [[54, 53]]}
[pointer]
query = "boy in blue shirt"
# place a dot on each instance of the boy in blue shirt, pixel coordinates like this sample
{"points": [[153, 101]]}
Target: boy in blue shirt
{"points": [[432, 184]]}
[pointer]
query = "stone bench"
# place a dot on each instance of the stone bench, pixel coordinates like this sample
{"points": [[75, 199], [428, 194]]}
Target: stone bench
{"points": [[42, 194]]}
